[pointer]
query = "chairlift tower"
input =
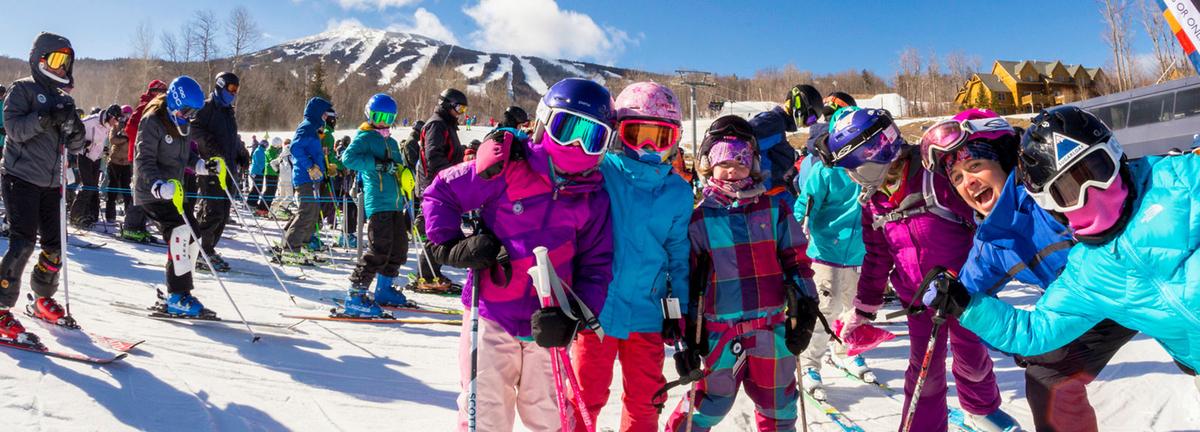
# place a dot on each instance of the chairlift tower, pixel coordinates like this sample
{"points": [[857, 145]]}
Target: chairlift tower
{"points": [[693, 79]]}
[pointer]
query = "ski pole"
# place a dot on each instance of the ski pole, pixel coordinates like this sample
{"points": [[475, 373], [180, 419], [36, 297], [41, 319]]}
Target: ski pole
{"points": [[253, 235], [359, 216], [321, 213], [471, 406], [939, 317], [62, 230], [178, 201], [559, 358]]}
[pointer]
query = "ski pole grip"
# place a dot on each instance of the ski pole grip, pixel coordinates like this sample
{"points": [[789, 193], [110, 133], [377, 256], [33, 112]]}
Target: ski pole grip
{"points": [[542, 280], [221, 172], [177, 197]]}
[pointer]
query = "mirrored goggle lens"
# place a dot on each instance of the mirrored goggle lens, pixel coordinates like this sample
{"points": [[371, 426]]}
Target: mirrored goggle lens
{"points": [[188, 112], [1096, 168], [461, 109], [566, 128], [383, 118], [58, 59], [659, 136]]}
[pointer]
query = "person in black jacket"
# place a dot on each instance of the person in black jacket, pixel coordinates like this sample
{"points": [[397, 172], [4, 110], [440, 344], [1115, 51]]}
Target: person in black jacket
{"points": [[440, 149], [216, 133], [41, 123]]}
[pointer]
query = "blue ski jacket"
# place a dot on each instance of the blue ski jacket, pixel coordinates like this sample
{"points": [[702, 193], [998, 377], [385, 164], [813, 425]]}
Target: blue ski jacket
{"points": [[828, 202], [1144, 278], [306, 144], [1018, 240], [258, 160], [651, 208]]}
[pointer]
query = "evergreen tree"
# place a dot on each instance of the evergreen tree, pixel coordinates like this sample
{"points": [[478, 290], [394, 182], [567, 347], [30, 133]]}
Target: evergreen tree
{"points": [[316, 87]]}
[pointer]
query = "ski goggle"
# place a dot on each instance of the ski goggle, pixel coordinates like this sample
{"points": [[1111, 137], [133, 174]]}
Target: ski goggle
{"points": [[460, 109], [658, 135], [948, 135], [187, 112], [879, 146], [60, 59], [566, 127], [232, 89], [1065, 192], [382, 118]]}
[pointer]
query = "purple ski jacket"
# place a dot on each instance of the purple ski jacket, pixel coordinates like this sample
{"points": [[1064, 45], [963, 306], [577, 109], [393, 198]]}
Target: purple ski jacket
{"points": [[525, 208], [907, 248]]}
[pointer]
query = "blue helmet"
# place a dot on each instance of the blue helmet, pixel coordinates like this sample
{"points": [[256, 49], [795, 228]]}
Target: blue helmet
{"points": [[186, 97], [861, 136], [380, 110], [580, 96]]}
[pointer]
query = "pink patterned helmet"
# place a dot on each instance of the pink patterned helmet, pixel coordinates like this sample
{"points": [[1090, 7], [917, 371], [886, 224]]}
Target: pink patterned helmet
{"points": [[969, 134], [648, 100]]}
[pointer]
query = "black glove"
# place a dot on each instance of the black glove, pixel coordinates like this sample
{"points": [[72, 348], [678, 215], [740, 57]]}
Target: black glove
{"points": [[386, 167], [944, 293], [802, 315], [63, 112], [672, 331], [213, 167], [688, 361], [552, 327], [476, 252]]}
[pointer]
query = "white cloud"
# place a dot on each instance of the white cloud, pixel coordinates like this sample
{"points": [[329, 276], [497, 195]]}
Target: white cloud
{"points": [[342, 24], [540, 28], [374, 4], [425, 23]]}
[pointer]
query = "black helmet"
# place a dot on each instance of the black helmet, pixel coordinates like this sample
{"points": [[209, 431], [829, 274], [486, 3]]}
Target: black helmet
{"points": [[1065, 151], [451, 98], [112, 112], [227, 81], [804, 104], [837, 100], [514, 116]]}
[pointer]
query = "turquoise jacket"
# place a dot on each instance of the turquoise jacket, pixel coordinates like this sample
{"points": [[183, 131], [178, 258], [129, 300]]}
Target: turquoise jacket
{"points": [[1146, 278], [829, 199], [650, 209], [380, 190]]}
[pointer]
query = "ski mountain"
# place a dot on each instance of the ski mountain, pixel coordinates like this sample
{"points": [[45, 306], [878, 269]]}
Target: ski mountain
{"points": [[396, 60]]}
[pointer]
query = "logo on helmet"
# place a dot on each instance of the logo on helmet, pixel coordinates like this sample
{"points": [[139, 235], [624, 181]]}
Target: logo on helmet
{"points": [[1065, 148]]}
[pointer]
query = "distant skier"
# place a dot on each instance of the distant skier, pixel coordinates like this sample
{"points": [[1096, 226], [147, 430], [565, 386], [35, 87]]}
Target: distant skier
{"points": [[120, 168], [41, 123], [158, 171], [542, 192], [86, 208], [376, 157]]}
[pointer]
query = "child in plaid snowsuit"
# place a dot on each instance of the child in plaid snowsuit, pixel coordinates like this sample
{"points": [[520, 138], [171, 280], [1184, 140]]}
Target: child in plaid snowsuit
{"points": [[755, 249]]}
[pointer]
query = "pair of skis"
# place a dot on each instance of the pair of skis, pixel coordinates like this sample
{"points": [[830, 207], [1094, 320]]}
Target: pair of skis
{"points": [[120, 347]]}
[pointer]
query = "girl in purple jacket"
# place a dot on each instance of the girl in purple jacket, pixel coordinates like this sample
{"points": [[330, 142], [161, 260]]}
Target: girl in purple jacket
{"points": [[913, 221], [541, 192]]}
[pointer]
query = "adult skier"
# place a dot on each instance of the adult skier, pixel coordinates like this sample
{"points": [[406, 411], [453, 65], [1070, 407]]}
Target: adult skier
{"points": [[86, 207], [308, 169], [650, 210], [1016, 239], [133, 228], [158, 171], [374, 154], [215, 131], [120, 169], [1136, 260], [543, 192], [440, 149], [42, 125]]}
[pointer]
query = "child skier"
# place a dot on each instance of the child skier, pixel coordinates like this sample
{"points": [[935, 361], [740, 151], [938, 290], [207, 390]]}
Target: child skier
{"points": [[41, 125], [308, 170], [912, 222], [542, 192], [650, 211], [377, 158], [1136, 262], [158, 171], [1016, 239], [757, 265]]}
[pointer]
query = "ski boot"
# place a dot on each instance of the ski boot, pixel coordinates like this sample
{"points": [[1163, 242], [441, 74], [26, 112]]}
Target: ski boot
{"points": [[430, 286], [314, 244], [261, 213], [11, 330], [813, 384], [287, 256], [140, 236], [48, 310], [997, 421], [386, 294], [359, 304], [184, 305], [218, 263], [348, 241], [855, 365]]}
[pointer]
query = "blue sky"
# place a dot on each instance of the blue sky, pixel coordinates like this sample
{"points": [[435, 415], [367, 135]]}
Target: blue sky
{"points": [[658, 35]]}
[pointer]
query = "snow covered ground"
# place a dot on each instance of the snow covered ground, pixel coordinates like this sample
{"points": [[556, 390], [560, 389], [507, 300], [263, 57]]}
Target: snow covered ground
{"points": [[337, 376]]}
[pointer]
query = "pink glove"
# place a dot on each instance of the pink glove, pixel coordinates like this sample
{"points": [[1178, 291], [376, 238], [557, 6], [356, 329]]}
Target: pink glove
{"points": [[852, 319]]}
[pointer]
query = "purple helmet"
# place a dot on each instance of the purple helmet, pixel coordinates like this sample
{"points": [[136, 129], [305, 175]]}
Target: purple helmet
{"points": [[862, 136]]}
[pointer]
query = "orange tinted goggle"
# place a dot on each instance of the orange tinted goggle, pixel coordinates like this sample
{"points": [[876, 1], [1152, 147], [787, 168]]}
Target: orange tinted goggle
{"points": [[659, 135], [58, 59], [232, 88]]}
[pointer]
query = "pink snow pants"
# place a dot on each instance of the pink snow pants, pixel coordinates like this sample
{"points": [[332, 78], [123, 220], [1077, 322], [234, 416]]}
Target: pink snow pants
{"points": [[513, 378], [641, 355]]}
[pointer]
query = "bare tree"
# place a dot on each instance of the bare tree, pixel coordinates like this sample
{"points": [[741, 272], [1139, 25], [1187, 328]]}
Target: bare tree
{"points": [[1166, 48], [242, 31], [203, 39], [1118, 38], [142, 44], [171, 49]]}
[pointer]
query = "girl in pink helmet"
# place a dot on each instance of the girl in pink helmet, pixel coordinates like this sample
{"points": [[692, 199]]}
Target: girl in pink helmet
{"points": [[650, 210]]}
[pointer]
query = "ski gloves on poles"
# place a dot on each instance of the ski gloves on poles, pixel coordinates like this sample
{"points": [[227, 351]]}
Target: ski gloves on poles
{"points": [[552, 328], [802, 313], [944, 293], [477, 252], [60, 115], [163, 190]]}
